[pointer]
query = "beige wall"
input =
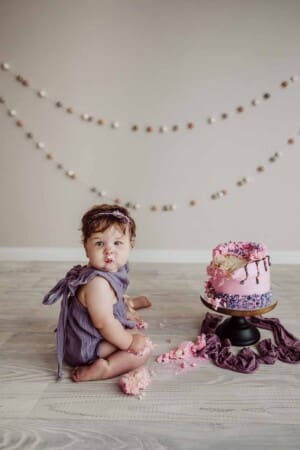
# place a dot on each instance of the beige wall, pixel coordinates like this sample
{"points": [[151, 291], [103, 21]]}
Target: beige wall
{"points": [[152, 62]]}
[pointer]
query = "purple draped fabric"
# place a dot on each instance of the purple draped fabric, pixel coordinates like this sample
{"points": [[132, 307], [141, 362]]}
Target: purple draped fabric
{"points": [[286, 347]]}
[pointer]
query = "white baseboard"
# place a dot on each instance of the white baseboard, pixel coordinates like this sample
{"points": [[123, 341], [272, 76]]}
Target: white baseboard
{"points": [[138, 255]]}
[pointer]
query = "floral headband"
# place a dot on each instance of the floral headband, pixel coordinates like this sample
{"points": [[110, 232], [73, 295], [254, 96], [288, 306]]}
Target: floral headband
{"points": [[122, 217]]}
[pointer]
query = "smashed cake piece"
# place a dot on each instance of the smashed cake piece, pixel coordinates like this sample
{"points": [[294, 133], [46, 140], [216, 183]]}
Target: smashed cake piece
{"points": [[186, 354], [135, 382]]}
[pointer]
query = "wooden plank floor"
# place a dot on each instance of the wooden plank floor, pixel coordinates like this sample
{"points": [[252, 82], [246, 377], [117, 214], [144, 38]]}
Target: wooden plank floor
{"points": [[204, 408]]}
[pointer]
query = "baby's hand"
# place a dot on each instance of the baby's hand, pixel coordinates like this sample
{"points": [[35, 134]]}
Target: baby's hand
{"points": [[138, 344], [132, 316]]}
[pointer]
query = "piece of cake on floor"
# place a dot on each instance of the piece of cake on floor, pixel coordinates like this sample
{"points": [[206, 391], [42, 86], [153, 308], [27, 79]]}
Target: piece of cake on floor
{"points": [[186, 355], [135, 382], [239, 277]]}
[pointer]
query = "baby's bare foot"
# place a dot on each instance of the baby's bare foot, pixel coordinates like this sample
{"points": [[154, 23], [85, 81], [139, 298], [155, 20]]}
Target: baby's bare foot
{"points": [[140, 302], [92, 372]]}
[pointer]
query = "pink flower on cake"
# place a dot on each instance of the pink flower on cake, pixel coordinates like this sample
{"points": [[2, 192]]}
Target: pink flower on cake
{"points": [[216, 273], [210, 300], [248, 250], [220, 250], [214, 302], [257, 253], [231, 247], [207, 285], [210, 269], [218, 277]]}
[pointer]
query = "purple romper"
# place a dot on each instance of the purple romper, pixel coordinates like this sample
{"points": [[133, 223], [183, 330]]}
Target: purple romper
{"points": [[77, 339]]}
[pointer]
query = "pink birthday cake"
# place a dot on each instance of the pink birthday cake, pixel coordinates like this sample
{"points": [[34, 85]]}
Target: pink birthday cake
{"points": [[239, 277]]}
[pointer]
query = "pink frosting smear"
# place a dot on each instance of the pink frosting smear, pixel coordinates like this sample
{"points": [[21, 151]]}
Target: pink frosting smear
{"points": [[141, 324], [185, 355], [134, 382]]}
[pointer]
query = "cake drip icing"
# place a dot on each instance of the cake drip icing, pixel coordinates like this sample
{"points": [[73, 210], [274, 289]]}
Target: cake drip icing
{"points": [[266, 262], [228, 258]]}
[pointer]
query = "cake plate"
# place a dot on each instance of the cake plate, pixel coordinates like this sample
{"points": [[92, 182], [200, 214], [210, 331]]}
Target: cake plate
{"points": [[237, 328]]}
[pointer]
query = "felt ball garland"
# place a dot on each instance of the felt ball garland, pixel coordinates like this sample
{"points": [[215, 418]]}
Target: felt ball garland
{"points": [[169, 207], [150, 128]]}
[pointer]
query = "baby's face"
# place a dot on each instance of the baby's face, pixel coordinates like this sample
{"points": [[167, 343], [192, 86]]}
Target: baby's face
{"points": [[108, 250]]}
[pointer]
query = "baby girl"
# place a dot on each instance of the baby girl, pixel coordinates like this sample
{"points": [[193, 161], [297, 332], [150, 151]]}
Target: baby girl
{"points": [[93, 332]]}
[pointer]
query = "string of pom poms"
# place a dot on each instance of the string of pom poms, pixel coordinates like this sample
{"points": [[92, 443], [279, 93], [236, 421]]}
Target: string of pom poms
{"points": [[72, 175], [148, 129]]}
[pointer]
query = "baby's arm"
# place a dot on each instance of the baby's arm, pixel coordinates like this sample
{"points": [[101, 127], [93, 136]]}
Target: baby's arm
{"points": [[139, 343], [99, 300]]}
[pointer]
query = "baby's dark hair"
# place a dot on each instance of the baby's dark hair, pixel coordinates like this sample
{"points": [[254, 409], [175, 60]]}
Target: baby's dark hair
{"points": [[101, 217]]}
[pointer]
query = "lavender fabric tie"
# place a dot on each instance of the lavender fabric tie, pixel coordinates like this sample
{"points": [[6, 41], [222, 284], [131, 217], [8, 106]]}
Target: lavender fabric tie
{"points": [[287, 348], [65, 288]]}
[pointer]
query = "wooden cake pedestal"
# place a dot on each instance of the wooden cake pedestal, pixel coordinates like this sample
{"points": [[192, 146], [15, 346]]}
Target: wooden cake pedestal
{"points": [[237, 328]]}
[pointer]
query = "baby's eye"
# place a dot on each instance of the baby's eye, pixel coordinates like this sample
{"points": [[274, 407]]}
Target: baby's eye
{"points": [[118, 242], [99, 243]]}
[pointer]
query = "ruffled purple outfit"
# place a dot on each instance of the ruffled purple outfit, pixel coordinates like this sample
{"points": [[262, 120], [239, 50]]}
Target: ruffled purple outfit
{"points": [[77, 339]]}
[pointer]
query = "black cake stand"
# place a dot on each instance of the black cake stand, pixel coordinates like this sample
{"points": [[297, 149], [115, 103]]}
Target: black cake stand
{"points": [[237, 328]]}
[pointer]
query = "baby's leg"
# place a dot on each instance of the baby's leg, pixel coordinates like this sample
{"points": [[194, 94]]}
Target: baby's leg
{"points": [[114, 364], [139, 302], [122, 362], [96, 370], [90, 372]]}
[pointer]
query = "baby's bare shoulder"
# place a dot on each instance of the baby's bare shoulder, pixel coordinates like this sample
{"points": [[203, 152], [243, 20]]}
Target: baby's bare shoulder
{"points": [[97, 288], [99, 284]]}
